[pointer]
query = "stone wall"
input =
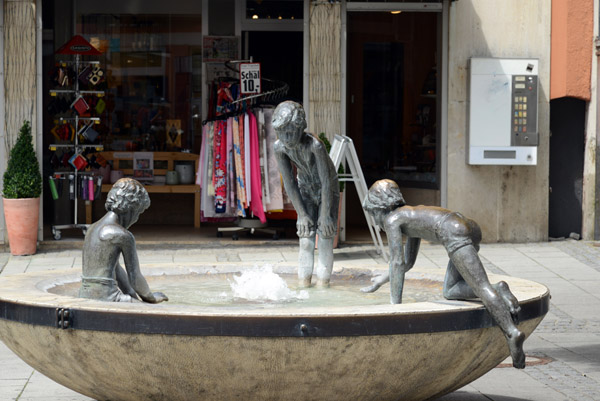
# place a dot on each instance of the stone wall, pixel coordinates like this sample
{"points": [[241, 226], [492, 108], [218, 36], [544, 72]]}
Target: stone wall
{"points": [[509, 202]]}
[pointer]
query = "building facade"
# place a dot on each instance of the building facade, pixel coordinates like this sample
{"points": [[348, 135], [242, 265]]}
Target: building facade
{"points": [[393, 76]]}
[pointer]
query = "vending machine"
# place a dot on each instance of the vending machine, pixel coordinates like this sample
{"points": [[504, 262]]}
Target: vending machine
{"points": [[503, 112]]}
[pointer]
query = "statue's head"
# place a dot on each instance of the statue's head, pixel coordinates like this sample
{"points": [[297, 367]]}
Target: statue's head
{"points": [[383, 197], [127, 197], [289, 121]]}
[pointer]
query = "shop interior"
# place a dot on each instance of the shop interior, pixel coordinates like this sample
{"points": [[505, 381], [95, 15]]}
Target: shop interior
{"points": [[393, 101], [151, 99], [154, 97]]}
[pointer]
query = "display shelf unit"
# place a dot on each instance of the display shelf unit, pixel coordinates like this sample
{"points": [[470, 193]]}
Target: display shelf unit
{"points": [[81, 124]]}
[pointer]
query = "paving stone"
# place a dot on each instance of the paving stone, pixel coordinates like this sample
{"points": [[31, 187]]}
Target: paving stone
{"points": [[14, 269], [592, 287], [466, 393], [10, 391], [290, 256], [199, 258], [262, 257], [505, 383]]}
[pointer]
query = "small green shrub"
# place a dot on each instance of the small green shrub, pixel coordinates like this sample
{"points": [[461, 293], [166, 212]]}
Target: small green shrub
{"points": [[327, 144], [22, 178]]}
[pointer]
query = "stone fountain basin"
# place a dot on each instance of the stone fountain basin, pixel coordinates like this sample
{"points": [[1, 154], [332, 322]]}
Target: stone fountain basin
{"points": [[114, 351]]}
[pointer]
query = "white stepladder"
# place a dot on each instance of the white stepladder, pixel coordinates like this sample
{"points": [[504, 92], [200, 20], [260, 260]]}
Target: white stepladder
{"points": [[342, 151]]}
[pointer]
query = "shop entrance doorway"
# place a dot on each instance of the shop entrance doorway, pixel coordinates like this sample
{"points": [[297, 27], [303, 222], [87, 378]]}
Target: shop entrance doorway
{"points": [[393, 100]]}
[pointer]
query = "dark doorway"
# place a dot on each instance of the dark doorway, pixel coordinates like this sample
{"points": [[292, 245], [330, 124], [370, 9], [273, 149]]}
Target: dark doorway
{"points": [[567, 125], [383, 68], [392, 95], [392, 102]]}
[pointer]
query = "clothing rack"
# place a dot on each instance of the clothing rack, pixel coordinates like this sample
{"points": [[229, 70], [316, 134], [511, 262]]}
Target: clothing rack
{"points": [[239, 206], [240, 215]]}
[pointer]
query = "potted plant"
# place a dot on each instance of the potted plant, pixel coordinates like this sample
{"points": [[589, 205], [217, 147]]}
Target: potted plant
{"points": [[21, 194], [327, 144]]}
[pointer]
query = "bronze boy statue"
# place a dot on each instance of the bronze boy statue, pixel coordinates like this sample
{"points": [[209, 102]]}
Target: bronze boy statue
{"points": [[314, 191], [465, 276], [103, 277]]}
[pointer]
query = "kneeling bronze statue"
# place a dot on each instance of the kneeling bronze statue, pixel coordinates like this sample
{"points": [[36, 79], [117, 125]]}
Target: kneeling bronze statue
{"points": [[107, 239]]}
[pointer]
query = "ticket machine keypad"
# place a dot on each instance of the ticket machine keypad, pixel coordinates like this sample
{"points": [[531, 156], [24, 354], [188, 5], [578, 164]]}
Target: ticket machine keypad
{"points": [[524, 111]]}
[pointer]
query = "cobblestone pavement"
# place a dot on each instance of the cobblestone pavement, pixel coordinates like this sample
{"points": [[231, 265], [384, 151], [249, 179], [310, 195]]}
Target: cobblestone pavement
{"points": [[563, 353]]}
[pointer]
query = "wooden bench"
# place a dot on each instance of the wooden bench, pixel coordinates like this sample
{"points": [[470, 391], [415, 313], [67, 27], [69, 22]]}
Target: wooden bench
{"points": [[163, 162]]}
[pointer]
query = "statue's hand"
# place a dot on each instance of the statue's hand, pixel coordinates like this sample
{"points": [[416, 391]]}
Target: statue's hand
{"points": [[377, 281], [327, 226], [156, 297], [305, 226]]}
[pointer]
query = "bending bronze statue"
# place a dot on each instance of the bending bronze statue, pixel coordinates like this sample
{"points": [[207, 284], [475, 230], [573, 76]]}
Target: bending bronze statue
{"points": [[465, 277], [107, 239], [314, 191]]}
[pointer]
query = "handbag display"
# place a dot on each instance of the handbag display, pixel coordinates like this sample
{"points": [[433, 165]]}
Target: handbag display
{"points": [[80, 105], [90, 134], [78, 161], [96, 76], [100, 106]]}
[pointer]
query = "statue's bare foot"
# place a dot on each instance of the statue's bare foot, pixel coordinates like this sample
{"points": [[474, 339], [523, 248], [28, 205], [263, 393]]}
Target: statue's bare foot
{"points": [[511, 302], [371, 288], [515, 344], [304, 282], [323, 283], [377, 281]]}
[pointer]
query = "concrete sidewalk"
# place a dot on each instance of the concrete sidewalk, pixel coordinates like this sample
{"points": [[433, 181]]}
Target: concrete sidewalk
{"points": [[563, 353]]}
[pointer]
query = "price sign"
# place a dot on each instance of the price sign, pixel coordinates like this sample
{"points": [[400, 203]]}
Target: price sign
{"points": [[250, 78]]}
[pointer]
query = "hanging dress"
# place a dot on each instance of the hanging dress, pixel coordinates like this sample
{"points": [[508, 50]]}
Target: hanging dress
{"points": [[230, 164], [239, 171], [247, 158], [275, 203], [220, 166], [264, 166], [256, 205]]}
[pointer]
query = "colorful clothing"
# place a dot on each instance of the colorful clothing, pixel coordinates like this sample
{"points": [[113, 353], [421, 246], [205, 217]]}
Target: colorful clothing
{"points": [[264, 168], [274, 178], [239, 176], [256, 204], [247, 153], [230, 164], [224, 97], [220, 166]]}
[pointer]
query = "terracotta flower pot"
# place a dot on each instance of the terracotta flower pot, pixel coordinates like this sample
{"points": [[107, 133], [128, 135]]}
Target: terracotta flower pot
{"points": [[22, 216]]}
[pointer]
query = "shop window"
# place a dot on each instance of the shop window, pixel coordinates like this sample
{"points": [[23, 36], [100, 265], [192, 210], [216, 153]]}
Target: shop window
{"points": [[151, 56]]}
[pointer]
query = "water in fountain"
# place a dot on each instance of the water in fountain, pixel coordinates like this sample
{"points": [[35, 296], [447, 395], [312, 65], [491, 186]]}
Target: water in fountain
{"points": [[262, 284], [260, 287]]}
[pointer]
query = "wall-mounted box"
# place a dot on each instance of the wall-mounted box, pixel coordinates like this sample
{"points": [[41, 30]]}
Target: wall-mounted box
{"points": [[503, 111]]}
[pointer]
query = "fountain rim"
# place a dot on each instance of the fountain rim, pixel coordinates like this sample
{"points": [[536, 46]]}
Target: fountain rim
{"points": [[24, 298]]}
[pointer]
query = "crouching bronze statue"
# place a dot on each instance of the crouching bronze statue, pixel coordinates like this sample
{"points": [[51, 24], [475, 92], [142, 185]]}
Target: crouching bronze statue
{"points": [[465, 277]]}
